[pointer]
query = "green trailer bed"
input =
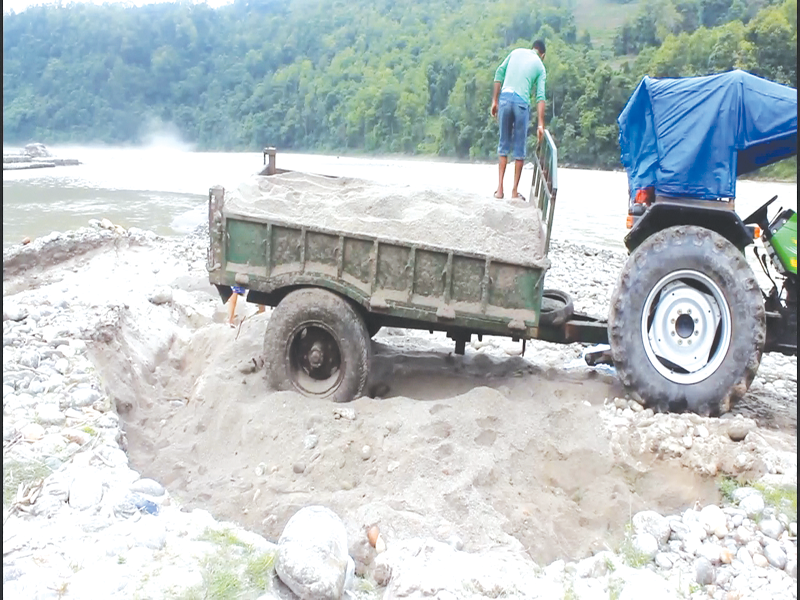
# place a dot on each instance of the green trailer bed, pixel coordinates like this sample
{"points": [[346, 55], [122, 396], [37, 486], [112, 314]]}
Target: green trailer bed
{"points": [[386, 282]]}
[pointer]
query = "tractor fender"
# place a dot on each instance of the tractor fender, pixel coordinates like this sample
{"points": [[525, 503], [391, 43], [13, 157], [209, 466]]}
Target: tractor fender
{"points": [[663, 214]]}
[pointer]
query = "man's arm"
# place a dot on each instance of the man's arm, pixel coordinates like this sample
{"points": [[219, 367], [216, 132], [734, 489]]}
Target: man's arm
{"points": [[540, 128], [540, 102], [499, 76], [495, 96]]}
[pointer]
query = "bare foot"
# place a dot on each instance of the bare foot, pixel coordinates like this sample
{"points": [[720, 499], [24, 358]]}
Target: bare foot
{"points": [[498, 194]]}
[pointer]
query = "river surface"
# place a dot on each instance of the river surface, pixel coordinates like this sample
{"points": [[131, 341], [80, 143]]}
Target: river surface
{"points": [[165, 189]]}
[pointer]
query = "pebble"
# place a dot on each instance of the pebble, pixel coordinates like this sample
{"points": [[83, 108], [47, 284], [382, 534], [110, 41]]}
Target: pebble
{"points": [[32, 432], [704, 571], [147, 486], [775, 555], [760, 560], [48, 414], [752, 505], [299, 467], [645, 544], [772, 528], [652, 523]]}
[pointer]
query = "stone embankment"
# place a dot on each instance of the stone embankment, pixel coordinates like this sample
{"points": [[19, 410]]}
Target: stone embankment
{"points": [[80, 522]]}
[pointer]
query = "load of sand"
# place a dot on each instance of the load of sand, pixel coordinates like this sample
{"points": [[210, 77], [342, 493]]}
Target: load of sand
{"points": [[505, 230]]}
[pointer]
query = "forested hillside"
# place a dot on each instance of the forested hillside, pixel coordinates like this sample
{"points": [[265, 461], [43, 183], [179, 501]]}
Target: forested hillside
{"points": [[399, 76]]}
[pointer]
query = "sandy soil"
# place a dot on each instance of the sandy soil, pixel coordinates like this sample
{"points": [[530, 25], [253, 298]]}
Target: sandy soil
{"points": [[487, 449], [491, 450]]}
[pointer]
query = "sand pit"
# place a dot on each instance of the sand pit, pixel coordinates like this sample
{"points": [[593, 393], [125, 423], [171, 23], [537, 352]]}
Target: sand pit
{"points": [[506, 230], [477, 449]]}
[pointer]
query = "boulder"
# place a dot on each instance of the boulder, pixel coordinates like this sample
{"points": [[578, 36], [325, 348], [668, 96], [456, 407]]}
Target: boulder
{"points": [[312, 555], [651, 522]]}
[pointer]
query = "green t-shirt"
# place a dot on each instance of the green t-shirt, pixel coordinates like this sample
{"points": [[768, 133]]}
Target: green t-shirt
{"points": [[520, 72]]}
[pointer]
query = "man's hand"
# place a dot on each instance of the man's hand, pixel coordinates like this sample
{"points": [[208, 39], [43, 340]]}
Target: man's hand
{"points": [[540, 132], [493, 110]]}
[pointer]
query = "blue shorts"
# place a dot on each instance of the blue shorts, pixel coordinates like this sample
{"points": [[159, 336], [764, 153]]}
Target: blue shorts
{"points": [[513, 114], [237, 290]]}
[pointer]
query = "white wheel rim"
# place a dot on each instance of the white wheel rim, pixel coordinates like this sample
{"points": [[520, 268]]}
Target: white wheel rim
{"points": [[686, 327]]}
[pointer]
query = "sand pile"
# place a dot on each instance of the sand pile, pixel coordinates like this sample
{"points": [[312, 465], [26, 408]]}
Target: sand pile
{"points": [[507, 230]]}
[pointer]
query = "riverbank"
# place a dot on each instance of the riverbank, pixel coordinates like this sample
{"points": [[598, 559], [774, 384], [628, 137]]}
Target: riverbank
{"points": [[144, 458]]}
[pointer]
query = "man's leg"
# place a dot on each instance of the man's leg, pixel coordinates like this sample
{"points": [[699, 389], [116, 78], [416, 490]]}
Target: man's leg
{"points": [[232, 307], [517, 175], [505, 119], [521, 117], [502, 171]]}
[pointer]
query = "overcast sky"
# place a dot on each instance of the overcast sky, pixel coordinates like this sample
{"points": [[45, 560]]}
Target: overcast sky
{"points": [[20, 5]]}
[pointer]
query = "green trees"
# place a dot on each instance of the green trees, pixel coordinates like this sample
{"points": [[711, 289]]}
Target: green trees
{"points": [[403, 76]]}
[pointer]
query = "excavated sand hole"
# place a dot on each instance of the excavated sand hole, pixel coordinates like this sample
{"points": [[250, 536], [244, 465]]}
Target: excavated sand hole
{"points": [[478, 449]]}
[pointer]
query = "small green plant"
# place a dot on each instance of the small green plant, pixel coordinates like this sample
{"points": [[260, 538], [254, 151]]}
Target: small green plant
{"points": [[16, 472], [610, 565], [727, 486], [259, 569], [222, 537], [614, 588], [121, 560], [234, 569], [630, 554], [569, 591], [90, 430], [782, 499]]}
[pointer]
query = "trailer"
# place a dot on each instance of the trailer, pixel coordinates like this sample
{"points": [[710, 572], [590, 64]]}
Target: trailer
{"points": [[333, 290]]}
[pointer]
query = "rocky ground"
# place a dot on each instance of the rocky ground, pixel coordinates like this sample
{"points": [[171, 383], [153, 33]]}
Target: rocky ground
{"points": [[143, 458]]}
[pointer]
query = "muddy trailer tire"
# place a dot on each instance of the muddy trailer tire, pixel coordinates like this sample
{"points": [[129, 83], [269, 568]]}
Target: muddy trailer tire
{"points": [[687, 322], [318, 345]]}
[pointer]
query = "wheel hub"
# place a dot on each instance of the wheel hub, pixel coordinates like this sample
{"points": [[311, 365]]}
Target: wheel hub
{"points": [[314, 359], [686, 327]]}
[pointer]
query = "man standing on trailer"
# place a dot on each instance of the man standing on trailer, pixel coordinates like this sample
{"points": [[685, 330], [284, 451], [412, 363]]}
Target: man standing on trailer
{"points": [[519, 75]]}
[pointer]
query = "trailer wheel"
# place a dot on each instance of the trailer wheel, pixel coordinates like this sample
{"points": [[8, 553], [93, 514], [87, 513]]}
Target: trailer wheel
{"points": [[687, 322], [318, 345]]}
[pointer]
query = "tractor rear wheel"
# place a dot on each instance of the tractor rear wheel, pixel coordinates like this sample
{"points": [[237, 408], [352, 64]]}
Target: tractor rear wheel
{"points": [[687, 322]]}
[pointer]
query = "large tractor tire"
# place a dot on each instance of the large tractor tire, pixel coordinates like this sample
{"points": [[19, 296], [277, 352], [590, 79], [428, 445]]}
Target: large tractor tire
{"points": [[317, 344], [687, 322]]}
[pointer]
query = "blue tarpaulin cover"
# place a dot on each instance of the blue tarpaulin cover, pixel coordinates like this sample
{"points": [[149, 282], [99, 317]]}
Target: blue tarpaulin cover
{"points": [[691, 137]]}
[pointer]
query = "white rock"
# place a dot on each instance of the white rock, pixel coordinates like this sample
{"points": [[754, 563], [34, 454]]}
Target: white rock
{"points": [[760, 560], [752, 505], [49, 414], [713, 518], [161, 295], [771, 528], [775, 555], [741, 493], [14, 312], [32, 432], [86, 489], [744, 556], [147, 486], [651, 522], [84, 396], [664, 560], [62, 365], [704, 571], [710, 552], [645, 544], [312, 554]]}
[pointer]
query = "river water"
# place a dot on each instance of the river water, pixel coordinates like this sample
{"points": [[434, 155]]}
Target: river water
{"points": [[164, 188]]}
